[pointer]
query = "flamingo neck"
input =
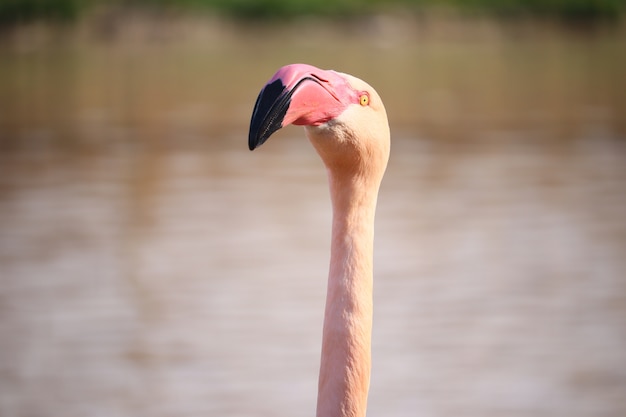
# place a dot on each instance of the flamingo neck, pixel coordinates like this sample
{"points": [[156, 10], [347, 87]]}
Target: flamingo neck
{"points": [[346, 340]]}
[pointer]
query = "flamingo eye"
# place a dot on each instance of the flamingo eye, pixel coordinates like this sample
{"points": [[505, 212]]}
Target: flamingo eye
{"points": [[364, 99]]}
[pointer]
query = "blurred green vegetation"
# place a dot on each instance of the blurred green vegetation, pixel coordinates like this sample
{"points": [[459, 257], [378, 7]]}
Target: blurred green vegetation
{"points": [[19, 11]]}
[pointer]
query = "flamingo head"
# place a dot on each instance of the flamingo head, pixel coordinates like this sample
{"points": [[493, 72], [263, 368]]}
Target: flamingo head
{"points": [[344, 117]]}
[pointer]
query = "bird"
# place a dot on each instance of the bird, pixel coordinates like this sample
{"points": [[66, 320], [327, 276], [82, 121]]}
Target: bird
{"points": [[345, 120]]}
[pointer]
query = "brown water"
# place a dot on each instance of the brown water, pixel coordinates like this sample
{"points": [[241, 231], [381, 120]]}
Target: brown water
{"points": [[185, 276], [191, 282]]}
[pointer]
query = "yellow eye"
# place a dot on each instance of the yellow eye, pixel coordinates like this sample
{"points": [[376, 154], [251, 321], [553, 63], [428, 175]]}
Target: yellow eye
{"points": [[364, 100]]}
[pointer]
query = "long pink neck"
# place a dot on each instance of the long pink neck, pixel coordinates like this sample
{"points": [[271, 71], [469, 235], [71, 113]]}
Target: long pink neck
{"points": [[346, 342]]}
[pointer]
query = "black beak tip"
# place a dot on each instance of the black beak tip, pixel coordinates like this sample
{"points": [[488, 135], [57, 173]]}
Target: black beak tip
{"points": [[253, 141], [268, 114], [257, 136]]}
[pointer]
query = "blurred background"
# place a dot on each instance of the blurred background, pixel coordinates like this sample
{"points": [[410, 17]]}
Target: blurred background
{"points": [[150, 265]]}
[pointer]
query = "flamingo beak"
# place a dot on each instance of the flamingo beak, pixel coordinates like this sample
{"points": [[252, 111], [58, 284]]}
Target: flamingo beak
{"points": [[298, 94]]}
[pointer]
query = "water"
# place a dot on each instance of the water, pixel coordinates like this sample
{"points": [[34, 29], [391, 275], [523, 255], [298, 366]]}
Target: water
{"points": [[190, 281], [150, 265]]}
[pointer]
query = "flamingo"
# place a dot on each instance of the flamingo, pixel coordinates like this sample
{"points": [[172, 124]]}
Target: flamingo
{"points": [[345, 120]]}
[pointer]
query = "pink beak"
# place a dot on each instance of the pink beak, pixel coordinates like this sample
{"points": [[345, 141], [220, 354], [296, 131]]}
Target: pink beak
{"points": [[298, 94]]}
